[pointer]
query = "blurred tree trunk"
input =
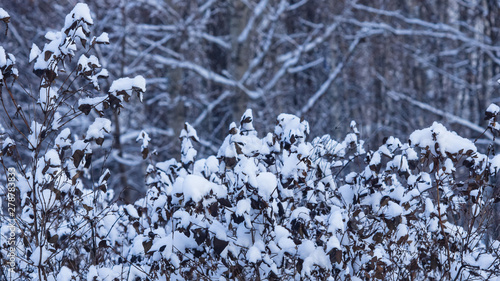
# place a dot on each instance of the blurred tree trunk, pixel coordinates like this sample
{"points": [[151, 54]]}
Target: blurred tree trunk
{"points": [[240, 53]]}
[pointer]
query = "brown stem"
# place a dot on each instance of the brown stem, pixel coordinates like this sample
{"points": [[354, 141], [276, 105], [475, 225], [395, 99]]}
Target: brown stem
{"points": [[442, 226]]}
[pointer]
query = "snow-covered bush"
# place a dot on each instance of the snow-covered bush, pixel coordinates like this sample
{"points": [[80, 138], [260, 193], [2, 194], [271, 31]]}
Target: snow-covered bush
{"points": [[61, 205], [282, 207], [268, 207]]}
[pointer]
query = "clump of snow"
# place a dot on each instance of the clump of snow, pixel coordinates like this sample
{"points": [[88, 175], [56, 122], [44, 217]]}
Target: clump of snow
{"points": [[291, 129], [183, 217], [393, 210], [254, 254], [188, 153], [493, 109], [65, 274], [128, 85], [3, 57], [144, 138], [40, 258], [96, 102], [8, 142], [247, 121], [34, 52], [242, 207], [267, 183], [52, 157], [195, 188], [103, 38], [86, 64], [4, 14], [448, 142], [495, 164], [81, 12], [131, 211], [98, 128], [47, 97], [35, 131], [7, 60], [300, 213]]}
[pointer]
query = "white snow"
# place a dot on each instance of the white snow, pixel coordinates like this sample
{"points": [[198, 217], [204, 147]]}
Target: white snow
{"points": [[4, 14], [65, 274], [267, 183], [495, 164], [7, 142], [290, 125], [347, 193], [81, 11], [95, 102], [47, 97], [3, 57], [183, 217], [195, 187], [333, 242], [144, 137], [243, 206], [393, 210], [493, 109], [448, 141], [40, 259], [253, 254], [336, 221], [103, 38], [34, 53], [128, 84], [88, 63], [98, 128], [300, 212], [247, 126], [52, 157], [35, 130], [131, 211]]}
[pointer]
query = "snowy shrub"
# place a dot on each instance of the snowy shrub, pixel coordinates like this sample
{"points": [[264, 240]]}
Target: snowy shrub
{"points": [[63, 210], [282, 207], [269, 207]]}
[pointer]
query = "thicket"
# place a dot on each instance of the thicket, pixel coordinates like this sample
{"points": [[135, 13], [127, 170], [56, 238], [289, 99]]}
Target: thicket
{"points": [[264, 208]]}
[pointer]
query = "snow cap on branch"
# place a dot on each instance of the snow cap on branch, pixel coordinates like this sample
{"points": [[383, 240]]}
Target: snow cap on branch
{"points": [[246, 122], [7, 62], [97, 130], [440, 141], [188, 153], [121, 89], [290, 129]]}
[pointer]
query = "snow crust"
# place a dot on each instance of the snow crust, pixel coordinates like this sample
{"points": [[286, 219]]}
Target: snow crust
{"points": [[447, 142], [195, 188], [98, 128], [4, 14]]}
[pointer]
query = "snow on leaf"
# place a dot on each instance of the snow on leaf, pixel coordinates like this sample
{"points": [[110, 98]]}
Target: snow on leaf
{"points": [[34, 53], [103, 38], [493, 109], [4, 15], [196, 187], [65, 274], [125, 86], [97, 130], [253, 254], [447, 142], [80, 12], [267, 183], [291, 129]]}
